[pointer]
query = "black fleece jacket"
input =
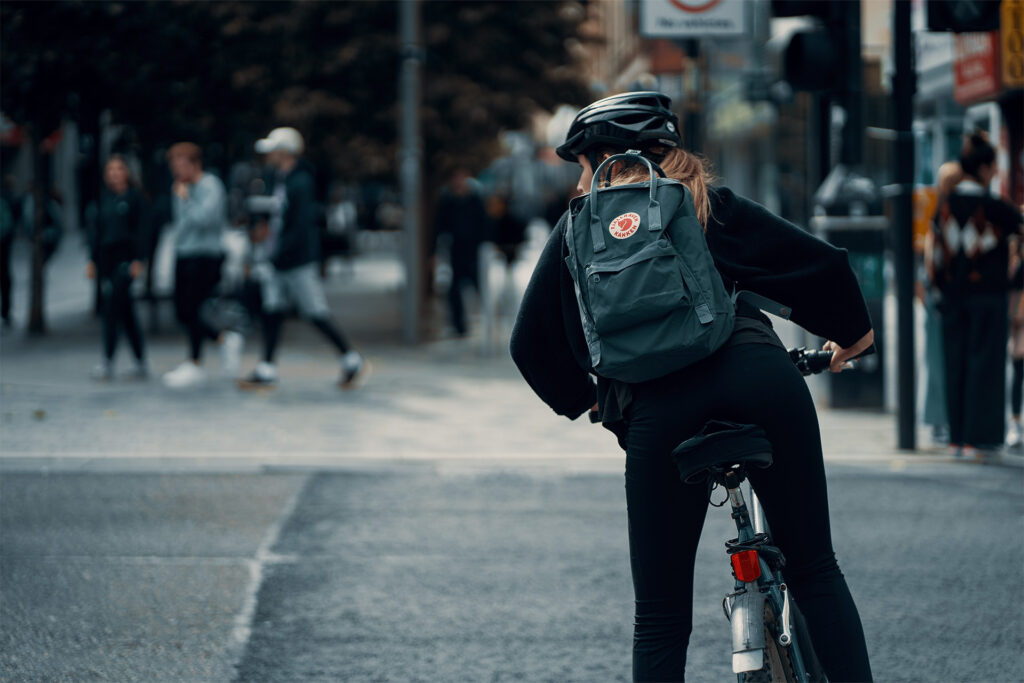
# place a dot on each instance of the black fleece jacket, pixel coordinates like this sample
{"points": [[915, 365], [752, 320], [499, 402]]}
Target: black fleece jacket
{"points": [[752, 248], [299, 240], [116, 230]]}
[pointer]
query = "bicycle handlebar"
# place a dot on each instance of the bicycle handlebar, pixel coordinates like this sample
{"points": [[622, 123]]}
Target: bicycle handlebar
{"points": [[811, 362]]}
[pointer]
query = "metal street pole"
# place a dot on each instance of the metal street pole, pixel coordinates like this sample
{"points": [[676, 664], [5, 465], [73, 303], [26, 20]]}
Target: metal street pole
{"points": [[852, 152], [410, 166], [692, 133], [903, 87]]}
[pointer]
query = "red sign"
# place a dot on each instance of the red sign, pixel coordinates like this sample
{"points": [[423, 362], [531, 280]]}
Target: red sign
{"points": [[695, 6], [976, 75]]}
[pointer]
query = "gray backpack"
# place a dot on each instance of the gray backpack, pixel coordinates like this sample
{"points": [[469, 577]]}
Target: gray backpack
{"points": [[650, 297]]}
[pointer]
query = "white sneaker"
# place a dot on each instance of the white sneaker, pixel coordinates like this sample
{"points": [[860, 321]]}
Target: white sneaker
{"points": [[263, 377], [141, 370], [1015, 435], [103, 372], [231, 346], [354, 370], [187, 374]]}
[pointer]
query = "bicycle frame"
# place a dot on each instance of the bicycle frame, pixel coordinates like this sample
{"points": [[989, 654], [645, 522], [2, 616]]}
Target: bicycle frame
{"points": [[745, 606]]}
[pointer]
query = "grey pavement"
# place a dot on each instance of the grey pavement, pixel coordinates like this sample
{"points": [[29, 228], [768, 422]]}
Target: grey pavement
{"points": [[129, 578], [418, 573], [437, 524]]}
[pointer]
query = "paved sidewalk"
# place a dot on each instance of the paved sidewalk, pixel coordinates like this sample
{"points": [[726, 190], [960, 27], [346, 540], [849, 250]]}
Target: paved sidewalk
{"points": [[456, 401]]}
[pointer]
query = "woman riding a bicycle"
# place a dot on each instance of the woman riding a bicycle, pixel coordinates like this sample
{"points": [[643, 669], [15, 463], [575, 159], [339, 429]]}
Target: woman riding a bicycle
{"points": [[750, 379]]}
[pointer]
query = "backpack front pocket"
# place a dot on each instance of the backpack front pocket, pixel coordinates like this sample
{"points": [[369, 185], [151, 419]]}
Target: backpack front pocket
{"points": [[647, 285]]}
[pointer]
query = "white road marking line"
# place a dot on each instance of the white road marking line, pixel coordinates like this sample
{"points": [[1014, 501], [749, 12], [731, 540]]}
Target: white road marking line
{"points": [[242, 630]]}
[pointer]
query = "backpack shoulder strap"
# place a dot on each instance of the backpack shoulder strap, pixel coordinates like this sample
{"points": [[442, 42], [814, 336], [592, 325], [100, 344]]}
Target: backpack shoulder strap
{"points": [[762, 302]]}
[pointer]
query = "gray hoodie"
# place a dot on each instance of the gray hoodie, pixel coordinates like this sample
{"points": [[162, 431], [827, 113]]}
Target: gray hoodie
{"points": [[199, 220]]}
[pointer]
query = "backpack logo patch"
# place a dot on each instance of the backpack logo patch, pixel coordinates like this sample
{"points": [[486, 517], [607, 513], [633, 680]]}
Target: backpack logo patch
{"points": [[624, 226]]}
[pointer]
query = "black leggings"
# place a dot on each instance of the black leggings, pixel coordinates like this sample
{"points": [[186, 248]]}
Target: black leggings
{"points": [[118, 311], [974, 332], [756, 384], [456, 303], [273, 322], [195, 280]]}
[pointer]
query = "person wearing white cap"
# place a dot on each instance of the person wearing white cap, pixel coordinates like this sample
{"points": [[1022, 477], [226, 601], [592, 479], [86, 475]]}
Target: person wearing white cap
{"points": [[288, 272]]}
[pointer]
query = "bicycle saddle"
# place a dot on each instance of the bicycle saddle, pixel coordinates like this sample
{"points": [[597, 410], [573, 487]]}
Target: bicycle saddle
{"points": [[718, 445]]}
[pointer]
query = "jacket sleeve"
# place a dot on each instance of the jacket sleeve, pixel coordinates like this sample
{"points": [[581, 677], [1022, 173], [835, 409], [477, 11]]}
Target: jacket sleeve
{"points": [[298, 217], [539, 345], [204, 208], [772, 257]]}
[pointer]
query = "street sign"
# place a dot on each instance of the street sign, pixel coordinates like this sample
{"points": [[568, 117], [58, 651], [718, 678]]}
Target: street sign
{"points": [[691, 18], [976, 67], [1012, 38]]}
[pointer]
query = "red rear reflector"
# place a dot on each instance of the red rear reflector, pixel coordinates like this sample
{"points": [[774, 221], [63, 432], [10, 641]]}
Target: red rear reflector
{"points": [[746, 566]]}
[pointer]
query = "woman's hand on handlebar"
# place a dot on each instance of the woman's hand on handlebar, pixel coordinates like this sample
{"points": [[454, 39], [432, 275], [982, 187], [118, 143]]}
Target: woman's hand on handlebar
{"points": [[840, 356]]}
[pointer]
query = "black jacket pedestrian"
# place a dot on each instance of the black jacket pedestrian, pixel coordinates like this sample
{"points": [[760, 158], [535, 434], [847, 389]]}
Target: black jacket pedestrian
{"points": [[973, 228], [753, 249], [464, 217], [118, 231], [980, 267], [299, 240]]}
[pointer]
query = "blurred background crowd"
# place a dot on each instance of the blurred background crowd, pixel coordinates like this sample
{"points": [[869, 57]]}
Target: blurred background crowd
{"points": [[794, 103]]}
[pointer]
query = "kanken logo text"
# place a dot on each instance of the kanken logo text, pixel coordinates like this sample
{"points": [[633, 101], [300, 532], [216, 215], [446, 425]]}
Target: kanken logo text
{"points": [[624, 226]]}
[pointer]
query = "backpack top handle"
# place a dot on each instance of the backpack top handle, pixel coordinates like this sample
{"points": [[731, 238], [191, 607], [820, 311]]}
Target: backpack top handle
{"points": [[654, 223]]}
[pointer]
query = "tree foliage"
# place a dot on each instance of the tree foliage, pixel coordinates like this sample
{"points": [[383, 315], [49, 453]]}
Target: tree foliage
{"points": [[223, 73]]}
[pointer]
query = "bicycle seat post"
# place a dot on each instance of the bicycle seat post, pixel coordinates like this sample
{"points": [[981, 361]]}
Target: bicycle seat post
{"points": [[731, 478]]}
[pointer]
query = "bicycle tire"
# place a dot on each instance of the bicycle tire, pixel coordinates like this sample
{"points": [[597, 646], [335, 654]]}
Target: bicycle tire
{"points": [[778, 660]]}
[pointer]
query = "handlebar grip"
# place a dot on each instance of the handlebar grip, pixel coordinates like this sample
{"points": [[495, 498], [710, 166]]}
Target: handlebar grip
{"points": [[818, 361], [811, 362]]}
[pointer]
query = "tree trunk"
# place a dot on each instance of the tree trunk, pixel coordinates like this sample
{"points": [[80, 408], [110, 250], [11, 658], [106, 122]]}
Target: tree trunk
{"points": [[40, 187], [90, 171]]}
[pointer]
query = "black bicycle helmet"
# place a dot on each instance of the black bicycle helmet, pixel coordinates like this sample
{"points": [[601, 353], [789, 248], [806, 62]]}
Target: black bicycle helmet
{"points": [[621, 121]]}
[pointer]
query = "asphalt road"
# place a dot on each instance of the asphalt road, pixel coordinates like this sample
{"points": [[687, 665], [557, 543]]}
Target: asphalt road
{"points": [[431, 573]]}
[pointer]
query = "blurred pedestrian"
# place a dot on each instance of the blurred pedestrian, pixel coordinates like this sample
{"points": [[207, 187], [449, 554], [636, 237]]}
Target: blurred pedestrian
{"points": [[199, 213], [52, 228], [509, 229], [509, 235], [462, 218], [973, 228], [53, 222], [9, 217], [288, 269], [935, 414], [118, 247], [1015, 433]]}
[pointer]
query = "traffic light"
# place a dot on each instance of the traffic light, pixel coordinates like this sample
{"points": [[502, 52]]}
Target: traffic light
{"points": [[812, 57], [963, 16], [800, 8], [811, 60]]}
